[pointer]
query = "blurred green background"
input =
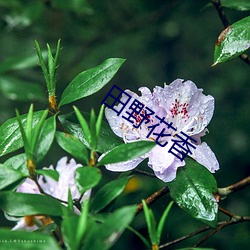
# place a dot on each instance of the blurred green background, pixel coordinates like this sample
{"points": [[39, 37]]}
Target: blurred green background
{"points": [[162, 41]]}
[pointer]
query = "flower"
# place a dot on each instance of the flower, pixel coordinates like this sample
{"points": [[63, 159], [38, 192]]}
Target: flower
{"points": [[58, 189], [180, 103]]}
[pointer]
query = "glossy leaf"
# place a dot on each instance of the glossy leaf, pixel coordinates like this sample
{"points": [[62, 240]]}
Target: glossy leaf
{"points": [[10, 136], [241, 5], [8, 176], [90, 81], [16, 240], [107, 138], [87, 177], [108, 193], [46, 137], [233, 41], [20, 204], [105, 235], [73, 146], [193, 191], [127, 152], [18, 162], [19, 90]]}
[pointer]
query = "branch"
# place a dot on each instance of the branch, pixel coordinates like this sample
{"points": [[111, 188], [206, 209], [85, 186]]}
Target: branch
{"points": [[223, 192], [226, 23], [152, 198], [144, 173], [235, 220]]}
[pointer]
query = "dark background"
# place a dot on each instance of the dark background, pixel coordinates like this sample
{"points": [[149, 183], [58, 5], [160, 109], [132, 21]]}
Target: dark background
{"points": [[161, 41]]}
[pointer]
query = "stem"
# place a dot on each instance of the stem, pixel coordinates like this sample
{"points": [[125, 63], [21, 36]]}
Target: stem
{"points": [[235, 220], [204, 229], [152, 198], [144, 173], [224, 192], [224, 211], [226, 23]]}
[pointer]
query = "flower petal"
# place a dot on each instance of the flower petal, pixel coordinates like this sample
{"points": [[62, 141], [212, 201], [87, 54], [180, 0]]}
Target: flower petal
{"points": [[163, 163], [187, 107], [205, 156], [29, 187]]}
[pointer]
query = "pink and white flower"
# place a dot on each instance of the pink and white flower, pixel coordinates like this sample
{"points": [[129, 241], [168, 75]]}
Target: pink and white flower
{"points": [[181, 103], [58, 189]]}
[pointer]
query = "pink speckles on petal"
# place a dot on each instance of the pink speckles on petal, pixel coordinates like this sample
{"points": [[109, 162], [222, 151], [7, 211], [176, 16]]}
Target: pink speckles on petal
{"points": [[179, 109]]}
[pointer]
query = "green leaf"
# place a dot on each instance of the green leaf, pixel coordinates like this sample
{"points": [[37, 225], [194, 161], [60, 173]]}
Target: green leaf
{"points": [[233, 41], [16, 240], [8, 176], [162, 221], [193, 191], [241, 5], [10, 136], [84, 125], [18, 162], [74, 228], [73, 146], [53, 174], [20, 204], [46, 137], [90, 81], [87, 177], [99, 122], [19, 90], [92, 127], [69, 230], [127, 152], [105, 235], [82, 223], [108, 193], [37, 132], [107, 139], [151, 223], [43, 65]]}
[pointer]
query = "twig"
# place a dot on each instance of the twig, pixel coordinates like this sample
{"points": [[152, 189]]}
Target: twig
{"points": [[222, 15], [235, 220], [144, 173], [224, 211], [152, 198], [226, 23], [204, 229], [223, 192]]}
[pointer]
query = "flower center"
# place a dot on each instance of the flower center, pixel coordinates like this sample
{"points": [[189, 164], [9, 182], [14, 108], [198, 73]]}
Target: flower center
{"points": [[179, 109]]}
